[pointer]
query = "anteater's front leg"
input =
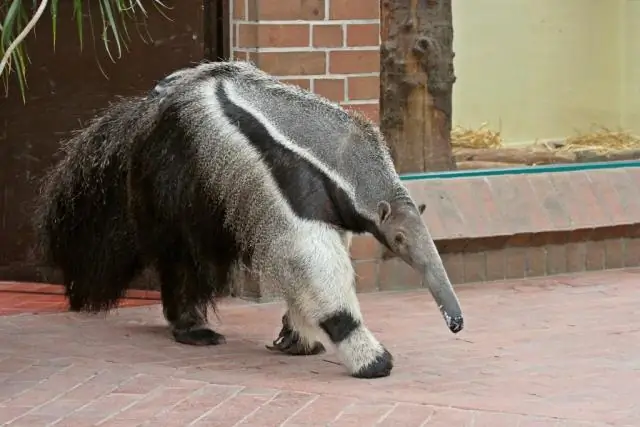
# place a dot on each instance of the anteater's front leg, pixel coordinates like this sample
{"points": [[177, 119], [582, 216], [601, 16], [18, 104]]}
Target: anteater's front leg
{"points": [[291, 341]]}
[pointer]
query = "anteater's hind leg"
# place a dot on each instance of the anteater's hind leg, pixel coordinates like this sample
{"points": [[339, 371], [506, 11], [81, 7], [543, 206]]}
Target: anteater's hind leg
{"points": [[188, 289]]}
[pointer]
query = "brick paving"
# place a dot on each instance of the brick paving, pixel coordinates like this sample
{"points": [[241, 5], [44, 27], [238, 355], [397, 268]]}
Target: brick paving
{"points": [[561, 352], [20, 298]]}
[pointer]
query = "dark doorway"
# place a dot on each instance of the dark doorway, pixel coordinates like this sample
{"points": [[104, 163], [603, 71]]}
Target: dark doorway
{"points": [[217, 30], [66, 88]]}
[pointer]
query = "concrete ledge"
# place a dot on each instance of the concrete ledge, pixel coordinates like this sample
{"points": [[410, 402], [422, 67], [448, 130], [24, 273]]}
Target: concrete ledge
{"points": [[507, 205]]}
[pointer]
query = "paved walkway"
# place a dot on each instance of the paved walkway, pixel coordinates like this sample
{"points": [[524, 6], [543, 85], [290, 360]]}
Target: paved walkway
{"points": [[549, 352], [20, 298]]}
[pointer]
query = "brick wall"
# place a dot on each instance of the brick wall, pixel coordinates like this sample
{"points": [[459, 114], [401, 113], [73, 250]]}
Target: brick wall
{"points": [[331, 47]]}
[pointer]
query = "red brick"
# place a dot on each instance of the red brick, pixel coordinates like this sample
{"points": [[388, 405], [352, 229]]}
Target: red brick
{"points": [[364, 247], [291, 63], [278, 410], [513, 196], [598, 211], [354, 9], [588, 314], [536, 261], [303, 83], [475, 267], [515, 263], [362, 414], [496, 264], [431, 215], [464, 203], [35, 420], [440, 199], [612, 190], [267, 35], [285, 10], [26, 287], [354, 61], [454, 264], [239, 10], [549, 199], [196, 405], [614, 253], [595, 255], [576, 257], [556, 259], [396, 274], [363, 35], [233, 411], [370, 111], [364, 88], [293, 35], [327, 36], [332, 89], [405, 415], [366, 276], [480, 194], [451, 417], [628, 191], [632, 252], [322, 411], [240, 56], [572, 195], [247, 36], [487, 419]]}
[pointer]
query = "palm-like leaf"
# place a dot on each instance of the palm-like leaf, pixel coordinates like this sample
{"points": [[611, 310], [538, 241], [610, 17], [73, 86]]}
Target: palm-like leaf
{"points": [[17, 20]]}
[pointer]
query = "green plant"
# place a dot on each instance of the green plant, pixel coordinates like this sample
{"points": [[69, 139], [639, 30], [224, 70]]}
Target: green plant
{"points": [[15, 25]]}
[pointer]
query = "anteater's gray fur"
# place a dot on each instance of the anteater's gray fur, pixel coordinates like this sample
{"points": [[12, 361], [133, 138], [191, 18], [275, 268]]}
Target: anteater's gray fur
{"points": [[222, 164]]}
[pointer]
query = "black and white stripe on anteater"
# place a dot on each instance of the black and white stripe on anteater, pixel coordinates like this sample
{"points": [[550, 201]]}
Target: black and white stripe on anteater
{"points": [[223, 165]]}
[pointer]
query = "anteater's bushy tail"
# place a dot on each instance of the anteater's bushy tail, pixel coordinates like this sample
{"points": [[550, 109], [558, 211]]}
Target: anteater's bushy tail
{"points": [[81, 220]]}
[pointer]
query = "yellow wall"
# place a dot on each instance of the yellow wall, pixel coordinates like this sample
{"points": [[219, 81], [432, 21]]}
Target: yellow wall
{"points": [[544, 68], [631, 66]]}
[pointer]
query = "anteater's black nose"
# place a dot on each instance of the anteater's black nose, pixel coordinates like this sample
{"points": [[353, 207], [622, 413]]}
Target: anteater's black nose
{"points": [[456, 324]]}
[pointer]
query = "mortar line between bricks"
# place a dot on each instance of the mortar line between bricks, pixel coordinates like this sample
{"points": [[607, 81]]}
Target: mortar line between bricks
{"points": [[31, 362], [111, 390], [425, 422], [149, 395], [300, 410], [386, 414], [57, 396], [9, 399], [340, 413], [456, 407], [520, 422], [194, 393], [216, 406], [258, 408], [310, 22]]}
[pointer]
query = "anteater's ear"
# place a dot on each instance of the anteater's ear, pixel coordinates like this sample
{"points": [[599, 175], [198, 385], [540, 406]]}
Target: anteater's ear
{"points": [[384, 210], [421, 208]]}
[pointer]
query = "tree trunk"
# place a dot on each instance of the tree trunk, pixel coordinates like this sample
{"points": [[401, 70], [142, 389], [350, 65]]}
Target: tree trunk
{"points": [[416, 83]]}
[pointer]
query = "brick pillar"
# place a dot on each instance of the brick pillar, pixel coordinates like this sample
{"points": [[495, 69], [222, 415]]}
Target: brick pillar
{"points": [[331, 47]]}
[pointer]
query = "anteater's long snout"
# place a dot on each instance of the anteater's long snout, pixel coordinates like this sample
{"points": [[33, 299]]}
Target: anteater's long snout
{"points": [[436, 278], [455, 324], [444, 295]]}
